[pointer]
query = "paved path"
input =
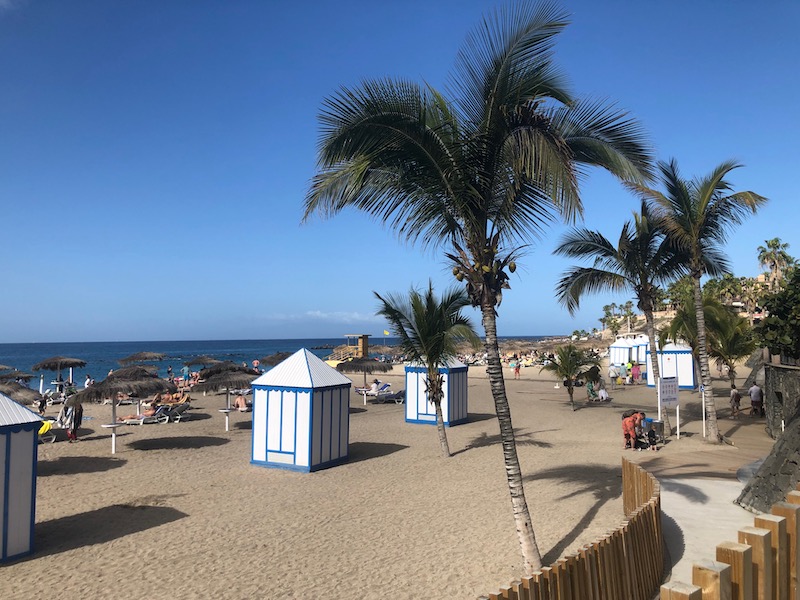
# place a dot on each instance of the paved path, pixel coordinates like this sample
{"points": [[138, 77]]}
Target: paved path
{"points": [[699, 484]]}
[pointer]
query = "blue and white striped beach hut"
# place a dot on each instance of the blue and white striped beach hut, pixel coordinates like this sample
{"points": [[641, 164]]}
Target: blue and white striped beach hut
{"points": [[454, 402], [301, 415], [674, 360], [19, 430]]}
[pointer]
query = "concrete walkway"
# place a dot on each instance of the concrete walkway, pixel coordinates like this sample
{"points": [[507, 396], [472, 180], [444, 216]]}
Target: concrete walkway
{"points": [[699, 482]]}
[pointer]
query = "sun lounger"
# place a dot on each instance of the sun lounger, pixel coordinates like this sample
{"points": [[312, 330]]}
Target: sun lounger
{"points": [[381, 394], [161, 416]]}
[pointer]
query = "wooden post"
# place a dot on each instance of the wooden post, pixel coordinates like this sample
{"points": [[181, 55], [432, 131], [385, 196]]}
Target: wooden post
{"points": [[740, 558], [760, 540], [780, 568], [792, 514], [714, 578], [675, 590]]}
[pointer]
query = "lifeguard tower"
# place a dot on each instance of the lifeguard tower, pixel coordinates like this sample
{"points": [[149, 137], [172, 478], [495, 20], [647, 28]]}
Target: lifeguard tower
{"points": [[356, 346]]}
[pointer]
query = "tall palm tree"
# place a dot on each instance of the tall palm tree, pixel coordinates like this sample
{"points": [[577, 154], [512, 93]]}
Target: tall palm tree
{"points": [[697, 216], [570, 364], [641, 261], [774, 256], [479, 174], [429, 330]]}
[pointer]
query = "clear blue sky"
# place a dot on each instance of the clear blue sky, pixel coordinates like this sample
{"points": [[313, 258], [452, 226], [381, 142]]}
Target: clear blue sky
{"points": [[154, 156]]}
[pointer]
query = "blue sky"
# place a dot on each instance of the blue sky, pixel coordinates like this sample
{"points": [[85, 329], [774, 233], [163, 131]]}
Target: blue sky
{"points": [[154, 156]]}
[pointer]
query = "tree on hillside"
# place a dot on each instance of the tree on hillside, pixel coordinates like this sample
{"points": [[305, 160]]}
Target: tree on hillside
{"points": [[570, 364], [430, 330], [696, 216], [780, 331], [641, 261], [480, 173], [775, 257]]}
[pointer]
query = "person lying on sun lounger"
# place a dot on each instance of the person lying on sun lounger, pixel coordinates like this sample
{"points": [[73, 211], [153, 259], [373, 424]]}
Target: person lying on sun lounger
{"points": [[148, 412]]}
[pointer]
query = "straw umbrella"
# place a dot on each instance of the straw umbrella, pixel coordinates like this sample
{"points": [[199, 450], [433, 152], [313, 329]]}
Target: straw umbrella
{"points": [[138, 357], [56, 363], [363, 365], [13, 375], [128, 380], [275, 359], [202, 360], [20, 393], [230, 378]]}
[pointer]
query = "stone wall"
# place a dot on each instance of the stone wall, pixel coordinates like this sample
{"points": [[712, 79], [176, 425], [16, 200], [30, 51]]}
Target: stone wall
{"points": [[781, 396]]}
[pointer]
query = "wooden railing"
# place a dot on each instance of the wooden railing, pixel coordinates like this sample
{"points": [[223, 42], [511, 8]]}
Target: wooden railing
{"points": [[761, 564], [625, 564]]}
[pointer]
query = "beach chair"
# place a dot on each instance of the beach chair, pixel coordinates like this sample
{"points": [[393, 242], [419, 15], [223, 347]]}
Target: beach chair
{"points": [[161, 416], [176, 413]]}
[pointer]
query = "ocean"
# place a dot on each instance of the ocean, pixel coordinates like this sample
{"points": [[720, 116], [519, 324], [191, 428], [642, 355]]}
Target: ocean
{"points": [[101, 357]]}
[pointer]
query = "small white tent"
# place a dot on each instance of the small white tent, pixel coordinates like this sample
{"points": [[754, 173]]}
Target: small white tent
{"points": [[301, 415], [620, 352], [674, 360], [454, 402], [19, 429]]}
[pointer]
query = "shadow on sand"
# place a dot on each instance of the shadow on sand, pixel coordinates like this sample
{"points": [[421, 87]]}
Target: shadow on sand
{"points": [[177, 443], [523, 439], [604, 483], [98, 527], [366, 450], [69, 465]]}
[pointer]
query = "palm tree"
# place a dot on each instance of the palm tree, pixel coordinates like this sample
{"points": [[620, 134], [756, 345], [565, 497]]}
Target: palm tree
{"points": [[430, 330], [480, 174], [570, 364], [697, 216], [641, 261], [733, 341], [776, 258]]}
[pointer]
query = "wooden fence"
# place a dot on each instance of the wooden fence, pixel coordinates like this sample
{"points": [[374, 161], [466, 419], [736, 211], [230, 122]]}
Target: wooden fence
{"points": [[626, 564], [762, 564]]}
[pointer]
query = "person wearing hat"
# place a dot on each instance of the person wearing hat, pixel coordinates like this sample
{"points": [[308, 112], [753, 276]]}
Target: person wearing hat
{"points": [[374, 387]]}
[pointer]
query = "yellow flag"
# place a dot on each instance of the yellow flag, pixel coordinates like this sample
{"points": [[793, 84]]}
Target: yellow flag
{"points": [[385, 332]]}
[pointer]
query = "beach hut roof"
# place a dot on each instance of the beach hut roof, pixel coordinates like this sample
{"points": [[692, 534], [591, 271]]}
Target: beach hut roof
{"points": [[450, 363], [12, 413], [680, 347], [303, 369]]}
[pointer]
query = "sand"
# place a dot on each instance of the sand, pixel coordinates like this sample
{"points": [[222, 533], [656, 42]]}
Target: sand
{"points": [[179, 512]]}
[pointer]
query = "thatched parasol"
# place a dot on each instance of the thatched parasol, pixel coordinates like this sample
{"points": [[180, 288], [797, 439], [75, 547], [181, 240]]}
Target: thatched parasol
{"points": [[56, 363], [141, 357], [12, 375], [202, 360], [135, 379], [274, 359], [20, 393], [363, 365], [225, 376]]}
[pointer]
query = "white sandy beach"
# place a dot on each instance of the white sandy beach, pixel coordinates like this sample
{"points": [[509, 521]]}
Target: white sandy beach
{"points": [[179, 511]]}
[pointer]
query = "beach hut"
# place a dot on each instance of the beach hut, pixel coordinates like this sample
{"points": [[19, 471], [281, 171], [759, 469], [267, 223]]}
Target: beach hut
{"points": [[19, 428], [639, 349], [301, 415], [674, 360], [620, 352], [454, 402]]}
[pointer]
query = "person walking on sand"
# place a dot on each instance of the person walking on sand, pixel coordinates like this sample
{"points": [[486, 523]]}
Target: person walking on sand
{"points": [[736, 398], [516, 370], [756, 401]]}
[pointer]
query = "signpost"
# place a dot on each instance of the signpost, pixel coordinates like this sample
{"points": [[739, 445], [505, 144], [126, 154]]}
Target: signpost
{"points": [[668, 398]]}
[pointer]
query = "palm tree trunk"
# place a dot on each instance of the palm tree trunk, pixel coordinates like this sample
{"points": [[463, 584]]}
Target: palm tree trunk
{"points": [[441, 430], [571, 392], [650, 324], [712, 428], [435, 396], [532, 559]]}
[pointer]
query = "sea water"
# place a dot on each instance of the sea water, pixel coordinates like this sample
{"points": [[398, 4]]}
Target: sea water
{"points": [[101, 357]]}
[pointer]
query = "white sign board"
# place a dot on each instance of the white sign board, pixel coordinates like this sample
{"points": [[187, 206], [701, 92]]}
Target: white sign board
{"points": [[668, 391]]}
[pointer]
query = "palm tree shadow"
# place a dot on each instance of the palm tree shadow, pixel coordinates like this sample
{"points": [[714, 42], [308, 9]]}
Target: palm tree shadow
{"points": [[604, 483], [523, 439]]}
